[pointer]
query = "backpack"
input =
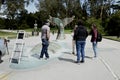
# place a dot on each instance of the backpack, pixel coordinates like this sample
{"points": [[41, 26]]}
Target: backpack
{"points": [[99, 37]]}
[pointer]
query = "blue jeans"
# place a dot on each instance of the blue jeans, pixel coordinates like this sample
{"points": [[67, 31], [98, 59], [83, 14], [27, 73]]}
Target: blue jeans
{"points": [[44, 50], [80, 46], [94, 45]]}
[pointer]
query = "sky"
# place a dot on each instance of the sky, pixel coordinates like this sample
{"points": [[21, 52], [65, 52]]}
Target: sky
{"points": [[31, 8]]}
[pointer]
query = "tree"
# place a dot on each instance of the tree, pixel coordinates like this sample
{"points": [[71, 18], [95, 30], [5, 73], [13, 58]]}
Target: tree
{"points": [[2, 22], [113, 27], [12, 9], [62, 9], [93, 20], [31, 20], [22, 20], [100, 8]]}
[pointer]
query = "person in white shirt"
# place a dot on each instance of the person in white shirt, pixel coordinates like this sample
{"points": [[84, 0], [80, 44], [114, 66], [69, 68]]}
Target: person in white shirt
{"points": [[73, 41], [45, 36]]}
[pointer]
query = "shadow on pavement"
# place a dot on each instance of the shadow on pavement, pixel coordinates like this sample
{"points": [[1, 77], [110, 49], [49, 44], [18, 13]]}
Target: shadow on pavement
{"points": [[88, 57], [65, 59]]}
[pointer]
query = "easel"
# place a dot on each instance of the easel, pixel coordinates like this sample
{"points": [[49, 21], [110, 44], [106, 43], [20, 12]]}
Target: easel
{"points": [[18, 47]]}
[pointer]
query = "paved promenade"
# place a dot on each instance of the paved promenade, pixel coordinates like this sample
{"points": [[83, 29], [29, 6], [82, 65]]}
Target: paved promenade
{"points": [[62, 67]]}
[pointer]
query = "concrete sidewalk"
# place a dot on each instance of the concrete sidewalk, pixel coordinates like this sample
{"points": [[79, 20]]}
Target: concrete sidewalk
{"points": [[105, 67]]}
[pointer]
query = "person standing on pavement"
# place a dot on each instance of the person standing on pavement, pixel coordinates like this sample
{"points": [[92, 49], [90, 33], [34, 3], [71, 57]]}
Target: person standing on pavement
{"points": [[1, 57], [94, 33], [3, 46], [73, 41], [45, 36], [80, 36]]}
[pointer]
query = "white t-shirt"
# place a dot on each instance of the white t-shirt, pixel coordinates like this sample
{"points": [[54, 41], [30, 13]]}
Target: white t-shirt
{"points": [[44, 30]]}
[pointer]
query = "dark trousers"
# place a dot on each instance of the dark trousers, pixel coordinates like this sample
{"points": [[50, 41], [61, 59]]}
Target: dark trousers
{"points": [[44, 50]]}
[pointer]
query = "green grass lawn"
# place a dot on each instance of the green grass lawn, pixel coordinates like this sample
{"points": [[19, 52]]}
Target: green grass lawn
{"points": [[112, 38], [68, 31], [7, 34], [13, 35], [51, 30]]}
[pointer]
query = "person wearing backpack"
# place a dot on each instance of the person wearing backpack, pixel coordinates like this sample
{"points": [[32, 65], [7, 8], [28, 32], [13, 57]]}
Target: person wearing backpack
{"points": [[80, 36], [94, 34]]}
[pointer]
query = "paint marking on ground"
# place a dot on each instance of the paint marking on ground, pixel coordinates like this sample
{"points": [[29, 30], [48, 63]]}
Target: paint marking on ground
{"points": [[4, 76], [109, 68]]}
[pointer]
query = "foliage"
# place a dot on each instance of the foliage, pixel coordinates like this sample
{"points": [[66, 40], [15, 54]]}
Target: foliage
{"points": [[112, 38], [90, 11], [31, 20], [23, 26], [11, 24], [113, 27], [95, 21], [13, 7], [2, 21]]}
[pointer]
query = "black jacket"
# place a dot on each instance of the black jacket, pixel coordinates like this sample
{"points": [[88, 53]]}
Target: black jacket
{"points": [[80, 33]]}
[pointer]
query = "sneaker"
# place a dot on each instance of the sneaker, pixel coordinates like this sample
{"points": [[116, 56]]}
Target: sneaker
{"points": [[82, 61]]}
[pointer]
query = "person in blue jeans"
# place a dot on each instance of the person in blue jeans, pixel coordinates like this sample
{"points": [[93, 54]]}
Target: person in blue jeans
{"points": [[80, 36], [45, 36], [44, 50], [94, 33]]}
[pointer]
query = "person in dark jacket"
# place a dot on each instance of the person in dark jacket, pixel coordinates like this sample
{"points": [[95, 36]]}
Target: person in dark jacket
{"points": [[80, 36], [94, 33]]}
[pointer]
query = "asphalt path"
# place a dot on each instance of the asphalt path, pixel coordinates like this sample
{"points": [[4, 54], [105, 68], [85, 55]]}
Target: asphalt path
{"points": [[105, 67]]}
